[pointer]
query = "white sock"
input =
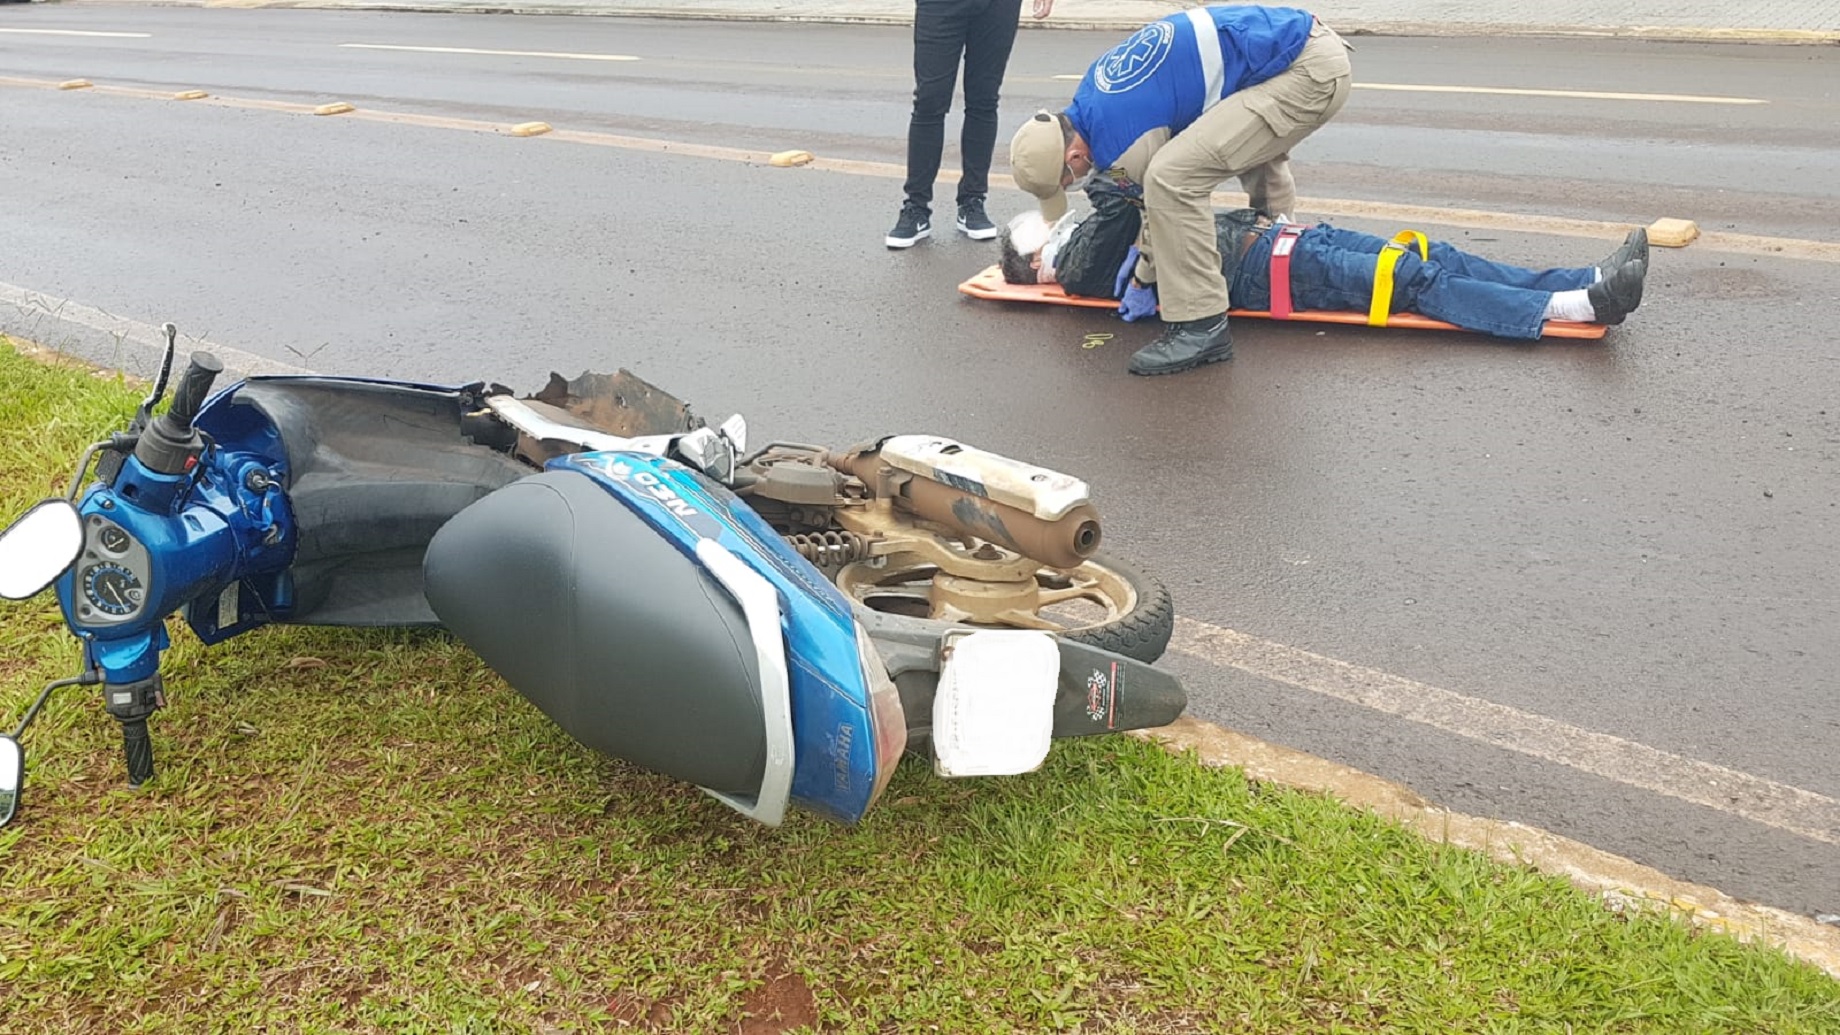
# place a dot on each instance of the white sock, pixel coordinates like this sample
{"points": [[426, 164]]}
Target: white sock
{"points": [[1571, 305]]}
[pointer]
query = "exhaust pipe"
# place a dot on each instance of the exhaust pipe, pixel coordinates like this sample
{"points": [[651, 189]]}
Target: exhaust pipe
{"points": [[982, 495]]}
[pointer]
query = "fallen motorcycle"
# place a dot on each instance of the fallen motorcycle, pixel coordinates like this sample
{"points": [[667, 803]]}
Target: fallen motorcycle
{"points": [[775, 627]]}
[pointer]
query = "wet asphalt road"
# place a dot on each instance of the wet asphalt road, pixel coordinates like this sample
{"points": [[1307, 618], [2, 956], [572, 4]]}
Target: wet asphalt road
{"points": [[1634, 537]]}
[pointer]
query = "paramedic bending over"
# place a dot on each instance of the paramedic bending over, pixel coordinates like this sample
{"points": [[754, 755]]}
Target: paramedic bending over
{"points": [[1186, 103]]}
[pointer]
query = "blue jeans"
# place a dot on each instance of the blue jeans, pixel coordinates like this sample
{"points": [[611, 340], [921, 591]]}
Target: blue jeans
{"points": [[1334, 269]]}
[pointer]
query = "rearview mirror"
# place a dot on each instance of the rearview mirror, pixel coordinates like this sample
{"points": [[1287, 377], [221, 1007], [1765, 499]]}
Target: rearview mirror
{"points": [[709, 452], [735, 430], [12, 774], [37, 548]]}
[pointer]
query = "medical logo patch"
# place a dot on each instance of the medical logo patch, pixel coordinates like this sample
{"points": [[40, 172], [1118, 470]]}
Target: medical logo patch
{"points": [[1131, 62]]}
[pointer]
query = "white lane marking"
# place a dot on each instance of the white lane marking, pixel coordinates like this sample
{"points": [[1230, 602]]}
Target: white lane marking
{"points": [[1510, 91], [1592, 95], [494, 53], [79, 32], [1755, 798]]}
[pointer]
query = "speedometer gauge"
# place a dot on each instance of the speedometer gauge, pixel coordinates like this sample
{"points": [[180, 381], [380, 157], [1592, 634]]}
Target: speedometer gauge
{"points": [[112, 589]]}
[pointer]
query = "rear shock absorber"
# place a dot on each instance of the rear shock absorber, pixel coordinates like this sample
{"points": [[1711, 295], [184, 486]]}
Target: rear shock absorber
{"points": [[831, 548]]}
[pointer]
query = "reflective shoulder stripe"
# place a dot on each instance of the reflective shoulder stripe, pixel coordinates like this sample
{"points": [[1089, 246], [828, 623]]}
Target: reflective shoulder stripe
{"points": [[1213, 62]]}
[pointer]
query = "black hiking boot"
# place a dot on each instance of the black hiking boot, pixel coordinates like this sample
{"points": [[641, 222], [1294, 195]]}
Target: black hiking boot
{"points": [[1185, 345]]}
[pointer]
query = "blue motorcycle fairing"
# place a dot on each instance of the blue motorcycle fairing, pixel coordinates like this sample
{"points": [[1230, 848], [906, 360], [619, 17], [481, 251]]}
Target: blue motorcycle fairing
{"points": [[190, 537], [212, 541], [834, 764]]}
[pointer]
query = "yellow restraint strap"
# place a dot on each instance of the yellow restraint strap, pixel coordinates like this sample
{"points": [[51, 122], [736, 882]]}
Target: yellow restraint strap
{"points": [[1384, 264]]}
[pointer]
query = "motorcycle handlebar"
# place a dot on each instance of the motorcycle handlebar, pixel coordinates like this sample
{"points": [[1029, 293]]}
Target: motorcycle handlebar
{"points": [[194, 386]]}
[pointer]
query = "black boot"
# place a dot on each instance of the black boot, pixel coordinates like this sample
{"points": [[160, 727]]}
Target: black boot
{"points": [[1184, 345], [1634, 249], [1618, 294]]}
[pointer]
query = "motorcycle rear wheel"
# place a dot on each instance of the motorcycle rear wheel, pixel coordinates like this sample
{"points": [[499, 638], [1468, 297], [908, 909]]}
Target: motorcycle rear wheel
{"points": [[1106, 602]]}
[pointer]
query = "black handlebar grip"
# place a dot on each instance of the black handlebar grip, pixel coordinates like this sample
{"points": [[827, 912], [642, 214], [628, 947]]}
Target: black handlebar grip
{"points": [[193, 387], [137, 748]]}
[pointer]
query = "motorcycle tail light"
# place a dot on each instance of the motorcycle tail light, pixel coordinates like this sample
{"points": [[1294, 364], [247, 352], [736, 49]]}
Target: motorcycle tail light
{"points": [[886, 717]]}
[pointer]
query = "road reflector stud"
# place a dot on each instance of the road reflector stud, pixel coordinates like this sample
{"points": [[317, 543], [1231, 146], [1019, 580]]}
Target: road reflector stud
{"points": [[335, 108], [190, 95], [789, 158], [1672, 233], [530, 129], [75, 84]]}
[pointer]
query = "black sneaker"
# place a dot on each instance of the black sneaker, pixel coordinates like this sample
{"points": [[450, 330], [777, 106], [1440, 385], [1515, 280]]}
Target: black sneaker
{"points": [[973, 222], [915, 224]]}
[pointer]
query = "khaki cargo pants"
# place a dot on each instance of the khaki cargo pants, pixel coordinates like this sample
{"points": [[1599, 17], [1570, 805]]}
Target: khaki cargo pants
{"points": [[1248, 134]]}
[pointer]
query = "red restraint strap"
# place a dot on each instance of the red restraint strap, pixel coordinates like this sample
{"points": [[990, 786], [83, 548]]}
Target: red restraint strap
{"points": [[1281, 269]]}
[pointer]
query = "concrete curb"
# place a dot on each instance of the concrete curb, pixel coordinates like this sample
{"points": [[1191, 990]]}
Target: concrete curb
{"points": [[1621, 883], [1119, 22], [113, 342]]}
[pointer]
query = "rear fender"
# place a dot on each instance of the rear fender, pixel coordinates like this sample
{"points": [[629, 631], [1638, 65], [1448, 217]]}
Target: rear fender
{"points": [[1097, 691]]}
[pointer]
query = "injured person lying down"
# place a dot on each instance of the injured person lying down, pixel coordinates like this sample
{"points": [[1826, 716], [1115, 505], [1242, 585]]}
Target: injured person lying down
{"points": [[1321, 267]]}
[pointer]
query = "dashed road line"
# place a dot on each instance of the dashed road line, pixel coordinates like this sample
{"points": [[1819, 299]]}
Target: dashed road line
{"points": [[1516, 91], [563, 55], [1590, 95], [78, 32], [1745, 244]]}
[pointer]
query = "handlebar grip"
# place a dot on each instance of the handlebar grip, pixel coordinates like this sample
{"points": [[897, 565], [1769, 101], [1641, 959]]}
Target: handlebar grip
{"points": [[137, 749], [194, 385]]}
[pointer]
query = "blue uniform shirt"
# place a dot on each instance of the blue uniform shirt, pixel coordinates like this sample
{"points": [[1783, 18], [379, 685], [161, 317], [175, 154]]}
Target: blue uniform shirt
{"points": [[1175, 68]]}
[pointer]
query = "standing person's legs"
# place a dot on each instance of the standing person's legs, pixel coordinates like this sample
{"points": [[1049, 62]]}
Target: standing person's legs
{"points": [[1179, 232], [1178, 207], [989, 35], [939, 39]]}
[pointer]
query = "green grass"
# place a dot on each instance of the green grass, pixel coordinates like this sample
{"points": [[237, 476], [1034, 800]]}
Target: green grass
{"points": [[366, 831]]}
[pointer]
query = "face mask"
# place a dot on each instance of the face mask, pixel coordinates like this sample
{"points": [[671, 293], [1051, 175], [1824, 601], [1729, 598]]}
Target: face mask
{"points": [[1080, 182]]}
